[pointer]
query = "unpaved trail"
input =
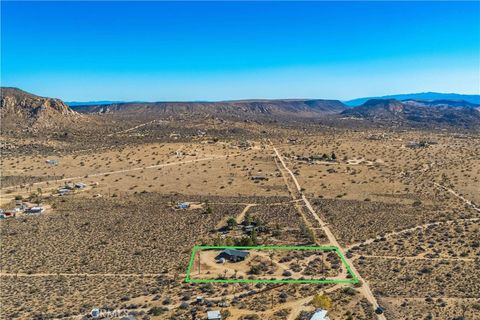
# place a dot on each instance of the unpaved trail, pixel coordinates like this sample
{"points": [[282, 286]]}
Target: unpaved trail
{"points": [[132, 128], [123, 171], [419, 258], [390, 234], [242, 214], [468, 202], [365, 288]]}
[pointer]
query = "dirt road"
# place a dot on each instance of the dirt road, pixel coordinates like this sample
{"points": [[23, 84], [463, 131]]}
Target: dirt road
{"points": [[132, 128], [365, 288], [122, 171], [468, 202], [423, 226]]}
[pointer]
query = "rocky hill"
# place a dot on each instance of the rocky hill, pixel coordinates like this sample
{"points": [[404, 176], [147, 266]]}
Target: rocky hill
{"points": [[299, 108], [418, 112], [443, 103], [472, 98], [23, 111]]}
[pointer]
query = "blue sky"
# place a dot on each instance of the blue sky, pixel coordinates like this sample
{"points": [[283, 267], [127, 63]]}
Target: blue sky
{"points": [[155, 51]]}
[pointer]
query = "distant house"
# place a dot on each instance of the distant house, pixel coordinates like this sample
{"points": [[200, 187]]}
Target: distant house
{"points": [[412, 145], [318, 157], [35, 210], [63, 191], [233, 255], [69, 186], [249, 228], [244, 144], [52, 162], [183, 205], [417, 145], [80, 185], [302, 158], [214, 315], [320, 314]]}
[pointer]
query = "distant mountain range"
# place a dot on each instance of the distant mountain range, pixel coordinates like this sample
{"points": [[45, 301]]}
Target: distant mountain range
{"points": [[288, 107], [473, 98], [93, 103], [21, 110], [457, 113]]}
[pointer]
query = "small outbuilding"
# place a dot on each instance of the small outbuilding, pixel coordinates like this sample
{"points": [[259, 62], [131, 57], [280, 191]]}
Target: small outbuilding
{"points": [[35, 210], [183, 205], [320, 314], [70, 186], [63, 191], [214, 315], [259, 178], [80, 185]]}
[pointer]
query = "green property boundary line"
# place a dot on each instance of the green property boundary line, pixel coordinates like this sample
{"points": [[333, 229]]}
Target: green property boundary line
{"points": [[353, 280]]}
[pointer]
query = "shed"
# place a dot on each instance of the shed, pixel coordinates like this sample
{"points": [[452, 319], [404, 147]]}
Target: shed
{"points": [[69, 186], [80, 185], [320, 314], [62, 191], [233, 255], [183, 205], [35, 210], [214, 315], [249, 228]]}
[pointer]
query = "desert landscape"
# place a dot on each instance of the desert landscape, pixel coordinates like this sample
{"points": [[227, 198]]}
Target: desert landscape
{"points": [[123, 205], [240, 160]]}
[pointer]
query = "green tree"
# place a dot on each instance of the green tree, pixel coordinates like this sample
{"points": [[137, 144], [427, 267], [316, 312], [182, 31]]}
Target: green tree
{"points": [[231, 223], [254, 238], [248, 219], [322, 301]]}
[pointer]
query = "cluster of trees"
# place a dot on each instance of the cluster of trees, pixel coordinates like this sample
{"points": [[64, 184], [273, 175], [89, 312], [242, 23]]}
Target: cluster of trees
{"points": [[247, 240]]}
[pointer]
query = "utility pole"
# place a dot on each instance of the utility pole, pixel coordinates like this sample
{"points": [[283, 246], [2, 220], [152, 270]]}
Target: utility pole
{"points": [[199, 262]]}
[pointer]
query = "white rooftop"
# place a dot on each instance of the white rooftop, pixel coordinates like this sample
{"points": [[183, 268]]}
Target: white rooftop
{"points": [[213, 315], [320, 315]]}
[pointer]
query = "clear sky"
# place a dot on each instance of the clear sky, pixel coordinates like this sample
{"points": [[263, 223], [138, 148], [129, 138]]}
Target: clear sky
{"points": [[151, 51]]}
